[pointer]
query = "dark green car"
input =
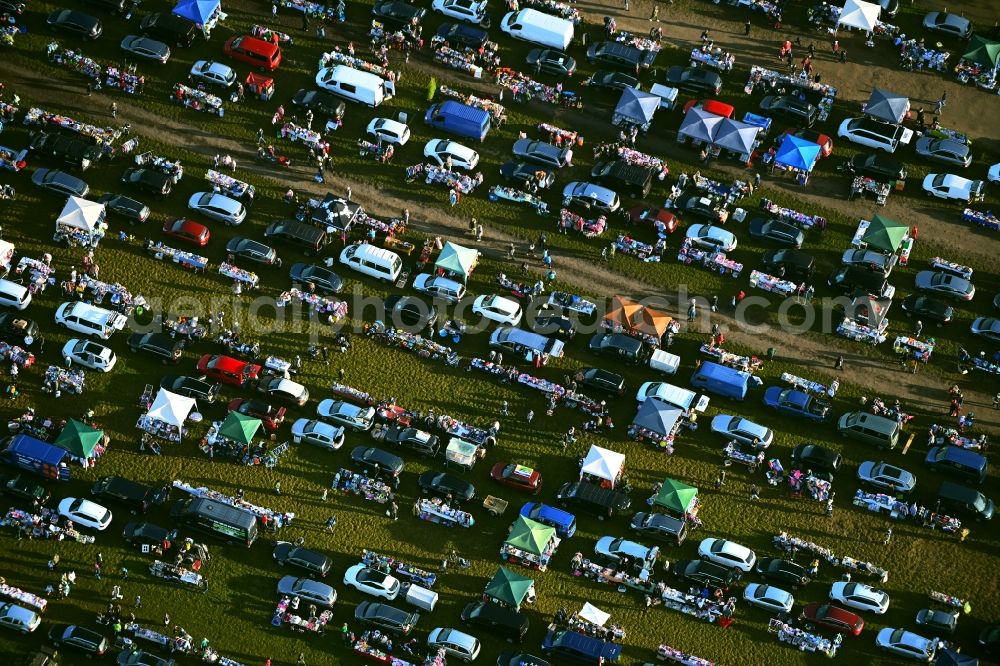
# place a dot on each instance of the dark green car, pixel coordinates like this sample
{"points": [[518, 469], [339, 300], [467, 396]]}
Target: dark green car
{"points": [[24, 487]]}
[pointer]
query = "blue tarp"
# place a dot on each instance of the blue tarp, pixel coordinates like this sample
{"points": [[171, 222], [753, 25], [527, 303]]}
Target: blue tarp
{"points": [[797, 153], [197, 11]]}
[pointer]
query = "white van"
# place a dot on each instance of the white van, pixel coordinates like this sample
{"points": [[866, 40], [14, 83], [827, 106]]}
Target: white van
{"points": [[14, 295], [672, 395], [90, 319], [356, 86], [537, 27], [374, 261]]}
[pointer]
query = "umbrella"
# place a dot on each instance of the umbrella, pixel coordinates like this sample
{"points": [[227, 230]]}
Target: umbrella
{"points": [[634, 316], [982, 51], [530, 536], [675, 496], [240, 428], [657, 416], [885, 235], [509, 588], [860, 15], [79, 439], [736, 136], [887, 106], [797, 153], [699, 125], [636, 107]]}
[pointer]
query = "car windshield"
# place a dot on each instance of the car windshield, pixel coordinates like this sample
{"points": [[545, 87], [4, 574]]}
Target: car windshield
{"points": [[939, 180]]}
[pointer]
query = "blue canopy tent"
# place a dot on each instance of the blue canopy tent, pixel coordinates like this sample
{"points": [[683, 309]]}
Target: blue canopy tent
{"points": [[203, 13], [795, 154]]}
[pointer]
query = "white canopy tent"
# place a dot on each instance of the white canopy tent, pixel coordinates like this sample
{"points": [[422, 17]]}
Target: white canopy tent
{"points": [[603, 463], [859, 14], [171, 408], [593, 614], [81, 214]]}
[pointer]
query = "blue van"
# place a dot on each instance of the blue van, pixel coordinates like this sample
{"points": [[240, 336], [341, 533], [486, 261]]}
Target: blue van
{"points": [[36, 456], [722, 380], [579, 648], [563, 522], [460, 119], [959, 462]]}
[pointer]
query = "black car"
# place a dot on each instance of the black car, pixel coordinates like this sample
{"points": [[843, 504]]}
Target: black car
{"points": [[540, 152], [707, 573], [496, 620], [114, 6], [608, 80], [128, 492], [444, 484], [817, 457], [927, 308], [77, 637], [521, 659], [776, 231], [322, 278], [170, 28], [312, 561], [553, 321], [15, 328], [699, 205], [660, 527], [937, 621], [774, 568], [621, 176], [412, 438], [879, 166], [251, 250], [23, 486], [604, 502], [622, 56], [378, 462], [398, 14], [550, 61], [527, 177], [461, 36], [793, 263], [59, 182], [627, 348], [70, 20], [989, 639], [385, 617], [411, 312], [320, 101], [602, 380], [694, 80], [11, 7], [790, 107], [164, 347], [199, 389], [126, 207], [143, 534], [148, 180], [71, 151]]}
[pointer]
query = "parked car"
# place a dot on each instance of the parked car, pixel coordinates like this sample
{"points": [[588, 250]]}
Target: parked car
{"points": [[727, 553], [385, 617], [128, 208], [294, 555], [791, 108], [768, 597], [958, 462], [422, 442], [391, 131], [774, 568], [886, 477], [145, 534], [527, 177], [252, 250], [907, 644], [797, 403], [187, 231], [986, 327], [860, 596], [948, 151], [952, 187], [378, 462], [191, 387], [74, 22], [85, 513], [605, 502], [284, 390], [372, 581], [73, 152], [213, 73], [551, 320], [500, 621], [499, 309], [398, 14], [615, 81], [320, 102], [699, 205], [706, 573], [170, 28], [59, 182], [551, 61], [517, 476], [440, 151], [927, 309], [945, 284], [623, 56], [817, 457], [989, 639], [218, 207], [439, 287], [265, 55], [71, 635], [344, 413], [323, 279], [144, 47], [742, 430], [659, 218], [711, 238], [454, 643], [589, 196], [19, 618], [271, 417], [777, 231], [24, 487], [794, 263], [950, 25], [874, 133], [625, 554], [697, 80], [540, 152], [623, 346], [444, 484], [229, 370], [148, 180], [602, 380], [317, 433], [142, 658], [164, 347], [833, 618], [89, 354], [937, 620], [15, 328], [308, 590], [137, 496], [468, 11], [462, 35], [870, 259]]}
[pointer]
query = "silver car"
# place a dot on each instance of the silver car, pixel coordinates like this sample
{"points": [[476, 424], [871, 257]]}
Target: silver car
{"points": [[144, 47], [60, 182], [948, 151], [215, 73], [590, 195], [987, 327], [308, 589], [948, 24], [218, 207], [868, 258]]}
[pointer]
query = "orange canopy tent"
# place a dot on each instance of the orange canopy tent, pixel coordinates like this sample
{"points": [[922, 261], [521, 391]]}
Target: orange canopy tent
{"points": [[634, 317]]}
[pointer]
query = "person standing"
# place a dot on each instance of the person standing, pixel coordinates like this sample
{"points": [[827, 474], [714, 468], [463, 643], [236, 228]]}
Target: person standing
{"points": [[839, 363], [331, 523], [530, 416], [277, 487], [114, 109], [655, 16], [746, 28], [939, 105], [274, 10], [301, 661], [394, 510], [888, 536], [626, 5], [692, 310], [479, 232], [918, 329]]}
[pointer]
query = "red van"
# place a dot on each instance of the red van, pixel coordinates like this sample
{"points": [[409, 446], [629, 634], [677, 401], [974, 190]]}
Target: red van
{"points": [[228, 370], [265, 56]]}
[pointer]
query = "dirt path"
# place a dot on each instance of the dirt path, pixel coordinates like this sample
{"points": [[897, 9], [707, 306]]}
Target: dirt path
{"points": [[811, 350]]}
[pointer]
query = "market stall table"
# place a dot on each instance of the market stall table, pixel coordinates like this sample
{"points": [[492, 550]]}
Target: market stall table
{"points": [[183, 258], [58, 379], [277, 518], [498, 114], [239, 275], [338, 57], [436, 510], [22, 597], [919, 350], [572, 302], [772, 284], [642, 251], [770, 80], [939, 264], [715, 59], [197, 100], [165, 165], [499, 192], [390, 565], [804, 640], [714, 261], [37, 116], [788, 215], [463, 61], [853, 330], [44, 525], [862, 185], [332, 308], [40, 273], [230, 186], [570, 221], [666, 653]]}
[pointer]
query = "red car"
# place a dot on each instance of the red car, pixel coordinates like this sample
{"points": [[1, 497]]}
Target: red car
{"points": [[228, 370], [187, 231], [265, 56], [833, 617], [653, 217], [825, 142], [271, 417], [711, 106], [517, 476]]}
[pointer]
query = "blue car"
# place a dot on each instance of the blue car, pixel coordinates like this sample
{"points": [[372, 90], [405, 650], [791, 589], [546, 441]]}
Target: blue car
{"points": [[797, 403], [563, 522]]}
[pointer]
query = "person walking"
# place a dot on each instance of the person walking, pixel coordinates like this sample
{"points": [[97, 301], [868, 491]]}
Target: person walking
{"points": [[754, 493], [692, 310], [479, 232], [918, 329], [530, 416], [655, 16], [939, 105], [839, 363], [331, 523], [504, 409], [138, 601], [166, 619], [394, 510], [843, 55], [301, 661], [888, 536], [114, 109], [97, 570], [829, 507], [625, 5], [746, 28], [325, 495], [996, 401], [277, 487]]}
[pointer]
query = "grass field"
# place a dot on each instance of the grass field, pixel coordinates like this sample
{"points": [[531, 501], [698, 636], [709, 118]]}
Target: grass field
{"points": [[235, 614]]}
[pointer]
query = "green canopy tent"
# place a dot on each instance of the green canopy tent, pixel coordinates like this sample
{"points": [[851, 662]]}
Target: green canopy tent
{"points": [[79, 439], [982, 51], [508, 588], [457, 261], [675, 496], [885, 235], [530, 536], [240, 428]]}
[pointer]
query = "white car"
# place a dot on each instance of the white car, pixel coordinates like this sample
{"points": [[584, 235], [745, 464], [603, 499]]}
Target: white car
{"points": [[317, 433], [622, 551], [372, 581], [769, 598], [994, 173], [907, 644], [218, 207], [345, 414], [499, 309], [950, 186], [711, 238], [86, 513], [439, 287], [89, 355], [19, 618], [743, 430], [874, 134], [284, 390], [727, 553], [455, 643], [860, 596], [90, 319], [468, 11], [462, 157], [391, 131], [216, 73]]}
